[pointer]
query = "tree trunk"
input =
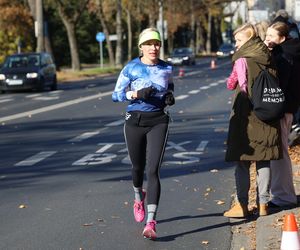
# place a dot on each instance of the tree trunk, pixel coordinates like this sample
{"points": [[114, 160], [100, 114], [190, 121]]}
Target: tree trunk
{"points": [[129, 34], [48, 46], [119, 34], [170, 43], [101, 17], [70, 27], [192, 41], [208, 41], [47, 41]]}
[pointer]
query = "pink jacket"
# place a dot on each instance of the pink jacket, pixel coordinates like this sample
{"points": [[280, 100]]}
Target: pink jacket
{"points": [[238, 75]]}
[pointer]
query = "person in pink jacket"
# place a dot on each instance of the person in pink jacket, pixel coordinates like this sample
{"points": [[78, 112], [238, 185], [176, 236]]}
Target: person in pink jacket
{"points": [[238, 75]]}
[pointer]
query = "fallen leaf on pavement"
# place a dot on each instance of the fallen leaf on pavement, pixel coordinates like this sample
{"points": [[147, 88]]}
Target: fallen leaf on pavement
{"points": [[88, 224], [220, 202], [22, 206]]}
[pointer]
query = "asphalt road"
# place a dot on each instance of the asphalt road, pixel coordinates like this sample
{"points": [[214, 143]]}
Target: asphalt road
{"points": [[65, 178]]}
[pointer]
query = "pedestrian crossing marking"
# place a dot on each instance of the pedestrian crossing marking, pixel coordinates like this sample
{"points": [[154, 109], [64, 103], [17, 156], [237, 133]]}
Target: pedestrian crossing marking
{"points": [[35, 158], [86, 135]]}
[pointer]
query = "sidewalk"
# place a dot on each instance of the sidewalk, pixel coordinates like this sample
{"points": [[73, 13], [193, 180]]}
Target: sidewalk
{"points": [[264, 233]]}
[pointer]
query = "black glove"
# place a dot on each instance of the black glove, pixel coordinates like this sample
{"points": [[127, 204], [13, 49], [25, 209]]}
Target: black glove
{"points": [[144, 93], [169, 99]]}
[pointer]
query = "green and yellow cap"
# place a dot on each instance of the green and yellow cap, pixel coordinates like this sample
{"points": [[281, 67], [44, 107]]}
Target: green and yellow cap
{"points": [[150, 35]]}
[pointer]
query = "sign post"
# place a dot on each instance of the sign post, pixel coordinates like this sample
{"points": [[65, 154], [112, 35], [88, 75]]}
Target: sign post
{"points": [[100, 37]]}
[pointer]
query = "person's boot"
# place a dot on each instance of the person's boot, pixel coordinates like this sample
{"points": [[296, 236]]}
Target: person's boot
{"points": [[263, 209], [237, 211]]}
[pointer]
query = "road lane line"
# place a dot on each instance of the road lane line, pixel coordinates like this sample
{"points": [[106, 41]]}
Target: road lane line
{"points": [[33, 95], [6, 100], [86, 135], [115, 123], [204, 87], [35, 158], [46, 98], [202, 146], [53, 107], [181, 97], [196, 91]]}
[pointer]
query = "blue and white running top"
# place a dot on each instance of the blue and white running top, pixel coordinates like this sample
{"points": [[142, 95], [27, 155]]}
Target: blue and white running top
{"points": [[137, 75]]}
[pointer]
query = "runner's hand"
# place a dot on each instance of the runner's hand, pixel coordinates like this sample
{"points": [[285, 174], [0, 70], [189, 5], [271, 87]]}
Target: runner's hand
{"points": [[144, 93], [169, 99]]}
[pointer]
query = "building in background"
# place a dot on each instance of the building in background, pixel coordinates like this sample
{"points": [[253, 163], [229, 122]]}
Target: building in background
{"points": [[259, 10]]}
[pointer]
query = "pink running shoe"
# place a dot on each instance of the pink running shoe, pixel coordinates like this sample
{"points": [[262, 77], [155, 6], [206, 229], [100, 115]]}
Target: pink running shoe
{"points": [[150, 231], [139, 209]]}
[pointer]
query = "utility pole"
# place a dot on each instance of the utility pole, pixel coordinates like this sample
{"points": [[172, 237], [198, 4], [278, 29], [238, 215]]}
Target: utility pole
{"points": [[161, 29], [39, 26]]}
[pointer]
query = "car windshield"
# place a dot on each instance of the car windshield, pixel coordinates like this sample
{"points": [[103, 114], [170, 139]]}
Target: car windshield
{"points": [[21, 61], [182, 51]]}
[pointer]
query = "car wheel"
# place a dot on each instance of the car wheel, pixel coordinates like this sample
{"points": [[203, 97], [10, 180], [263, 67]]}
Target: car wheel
{"points": [[54, 84]]}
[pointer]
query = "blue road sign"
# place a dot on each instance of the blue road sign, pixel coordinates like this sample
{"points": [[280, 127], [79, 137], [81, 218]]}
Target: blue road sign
{"points": [[100, 37]]}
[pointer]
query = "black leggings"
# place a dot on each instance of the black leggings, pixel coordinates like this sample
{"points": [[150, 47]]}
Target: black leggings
{"points": [[146, 146]]}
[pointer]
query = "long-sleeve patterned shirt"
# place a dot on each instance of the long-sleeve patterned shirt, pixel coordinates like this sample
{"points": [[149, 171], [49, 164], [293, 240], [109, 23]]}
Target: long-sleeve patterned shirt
{"points": [[137, 75]]}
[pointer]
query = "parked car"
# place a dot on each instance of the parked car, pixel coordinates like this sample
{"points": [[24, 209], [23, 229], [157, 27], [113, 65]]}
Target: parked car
{"points": [[181, 56], [27, 71], [226, 49]]}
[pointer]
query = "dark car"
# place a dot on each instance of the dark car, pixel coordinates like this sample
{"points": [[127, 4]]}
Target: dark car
{"points": [[226, 49], [27, 71], [182, 56]]}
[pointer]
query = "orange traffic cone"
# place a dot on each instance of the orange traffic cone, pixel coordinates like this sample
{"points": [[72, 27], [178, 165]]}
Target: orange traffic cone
{"points": [[290, 237], [181, 72], [213, 64]]}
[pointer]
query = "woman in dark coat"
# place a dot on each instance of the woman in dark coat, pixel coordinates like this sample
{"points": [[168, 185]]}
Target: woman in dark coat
{"points": [[250, 139], [286, 52]]}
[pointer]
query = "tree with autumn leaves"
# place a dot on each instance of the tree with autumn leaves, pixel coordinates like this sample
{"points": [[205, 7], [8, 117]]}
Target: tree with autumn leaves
{"points": [[73, 24]]}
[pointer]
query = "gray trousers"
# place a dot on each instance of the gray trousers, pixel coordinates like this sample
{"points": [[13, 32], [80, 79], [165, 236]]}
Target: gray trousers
{"points": [[282, 186], [242, 179]]}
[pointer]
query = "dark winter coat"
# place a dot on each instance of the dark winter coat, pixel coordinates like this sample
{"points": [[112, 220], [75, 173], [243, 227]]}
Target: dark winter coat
{"points": [[248, 137], [287, 59]]}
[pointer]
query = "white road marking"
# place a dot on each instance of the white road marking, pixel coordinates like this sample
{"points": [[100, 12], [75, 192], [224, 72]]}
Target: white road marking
{"points": [[55, 92], [33, 95], [205, 87], [214, 84], [196, 91], [46, 98], [193, 73], [6, 100], [115, 123], [221, 130], [86, 135], [53, 107], [202, 146], [35, 158], [181, 97]]}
